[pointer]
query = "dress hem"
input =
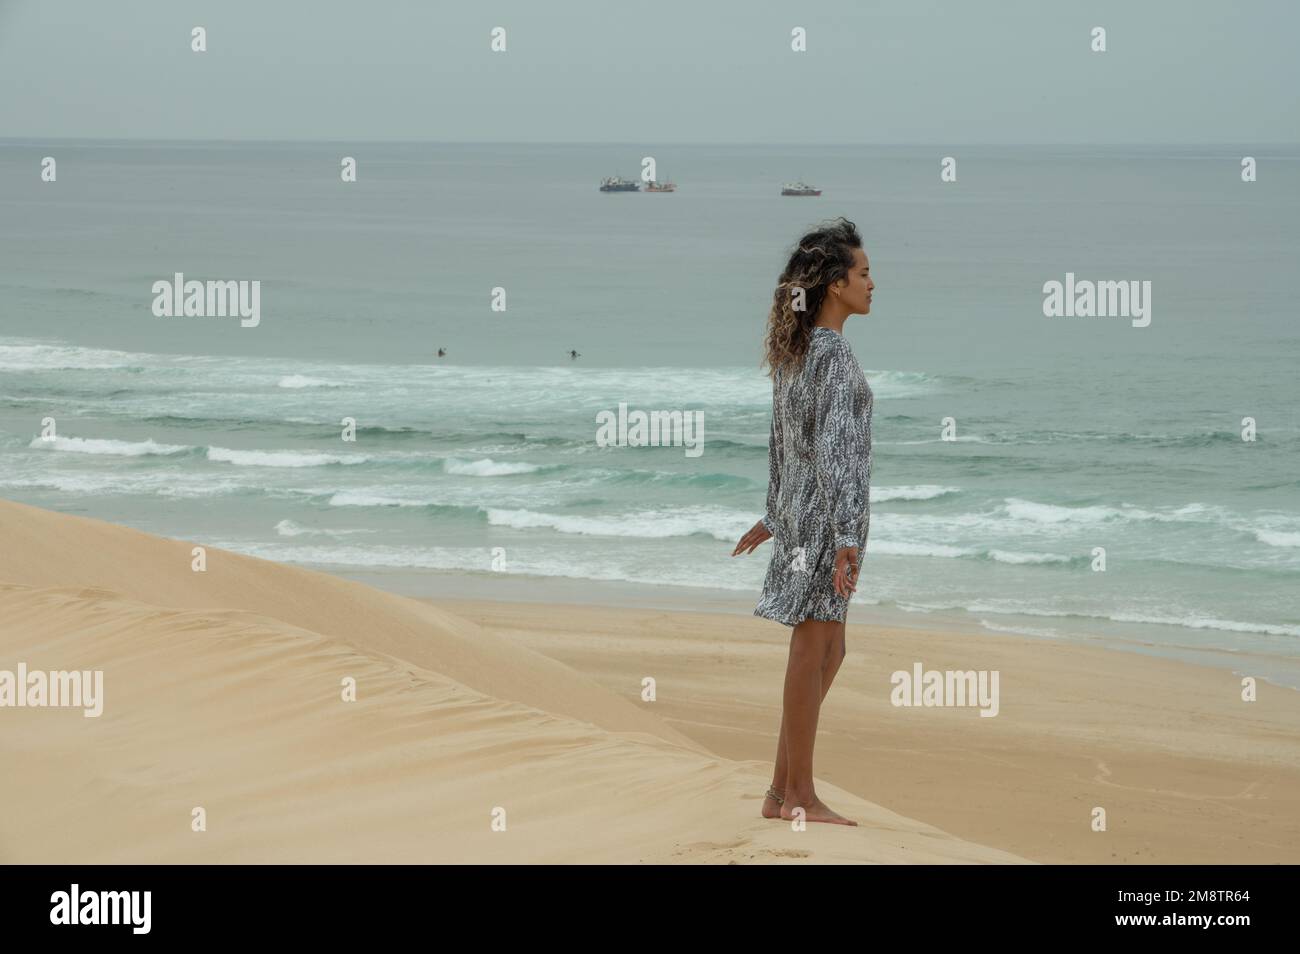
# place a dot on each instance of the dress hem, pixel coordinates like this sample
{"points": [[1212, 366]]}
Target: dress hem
{"points": [[786, 622]]}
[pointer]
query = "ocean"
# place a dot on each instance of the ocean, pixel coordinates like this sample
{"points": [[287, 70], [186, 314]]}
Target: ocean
{"points": [[1071, 434]]}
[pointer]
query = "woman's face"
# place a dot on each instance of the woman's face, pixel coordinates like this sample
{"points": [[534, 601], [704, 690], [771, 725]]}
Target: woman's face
{"points": [[856, 286]]}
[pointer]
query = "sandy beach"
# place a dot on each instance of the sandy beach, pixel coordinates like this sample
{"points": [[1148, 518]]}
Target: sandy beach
{"points": [[516, 732], [1187, 772]]}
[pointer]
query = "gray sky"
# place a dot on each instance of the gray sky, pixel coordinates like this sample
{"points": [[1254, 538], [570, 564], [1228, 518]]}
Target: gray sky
{"points": [[876, 71]]}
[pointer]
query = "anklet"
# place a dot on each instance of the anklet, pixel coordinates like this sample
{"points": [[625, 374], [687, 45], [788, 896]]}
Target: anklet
{"points": [[772, 793]]}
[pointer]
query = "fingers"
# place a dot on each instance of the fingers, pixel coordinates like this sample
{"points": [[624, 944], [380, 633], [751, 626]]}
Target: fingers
{"points": [[751, 540], [846, 577], [747, 544], [846, 571]]}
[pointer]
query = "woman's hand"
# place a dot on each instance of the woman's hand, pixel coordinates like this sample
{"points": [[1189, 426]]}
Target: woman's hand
{"points": [[846, 571], [757, 534]]}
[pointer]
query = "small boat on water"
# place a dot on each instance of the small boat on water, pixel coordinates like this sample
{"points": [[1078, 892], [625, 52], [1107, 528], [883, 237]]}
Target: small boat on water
{"points": [[618, 184], [654, 186], [799, 188]]}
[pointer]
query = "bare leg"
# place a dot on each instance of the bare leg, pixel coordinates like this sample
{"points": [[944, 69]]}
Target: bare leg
{"points": [[816, 651], [835, 650]]}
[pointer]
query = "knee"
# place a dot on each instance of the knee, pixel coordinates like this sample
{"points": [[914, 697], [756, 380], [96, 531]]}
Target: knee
{"points": [[810, 645], [839, 646], [808, 648]]}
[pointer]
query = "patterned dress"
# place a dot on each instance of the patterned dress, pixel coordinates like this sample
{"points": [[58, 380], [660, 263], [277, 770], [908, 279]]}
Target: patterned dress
{"points": [[819, 471]]}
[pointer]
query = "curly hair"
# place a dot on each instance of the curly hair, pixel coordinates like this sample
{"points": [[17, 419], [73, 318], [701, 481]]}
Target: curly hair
{"points": [[820, 258]]}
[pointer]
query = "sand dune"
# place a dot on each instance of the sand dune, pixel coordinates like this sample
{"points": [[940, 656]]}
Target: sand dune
{"points": [[222, 691]]}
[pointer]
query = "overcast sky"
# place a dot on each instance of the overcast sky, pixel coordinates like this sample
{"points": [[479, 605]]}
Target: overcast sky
{"points": [[875, 71]]}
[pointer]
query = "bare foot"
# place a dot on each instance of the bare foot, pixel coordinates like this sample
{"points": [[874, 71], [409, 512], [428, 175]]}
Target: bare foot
{"points": [[771, 807], [815, 811]]}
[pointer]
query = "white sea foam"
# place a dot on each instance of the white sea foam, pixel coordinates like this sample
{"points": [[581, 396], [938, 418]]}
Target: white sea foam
{"points": [[647, 524], [396, 557], [108, 484], [1008, 556], [1186, 621], [296, 381], [1021, 630], [881, 547], [88, 445], [90, 484], [1278, 538], [1206, 622], [959, 438], [487, 467], [283, 458], [371, 498], [53, 357], [1032, 512], [289, 528], [911, 492]]}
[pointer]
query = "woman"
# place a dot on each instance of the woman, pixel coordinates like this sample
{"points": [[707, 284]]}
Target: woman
{"points": [[819, 468]]}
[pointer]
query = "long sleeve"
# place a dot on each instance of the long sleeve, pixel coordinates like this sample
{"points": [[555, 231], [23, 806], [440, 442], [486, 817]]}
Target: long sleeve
{"points": [[774, 462], [842, 447]]}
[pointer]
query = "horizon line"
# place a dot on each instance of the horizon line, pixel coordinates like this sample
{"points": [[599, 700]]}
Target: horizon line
{"points": [[638, 144]]}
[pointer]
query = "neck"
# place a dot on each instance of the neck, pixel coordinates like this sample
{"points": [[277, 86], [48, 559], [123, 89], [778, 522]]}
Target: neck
{"points": [[832, 317]]}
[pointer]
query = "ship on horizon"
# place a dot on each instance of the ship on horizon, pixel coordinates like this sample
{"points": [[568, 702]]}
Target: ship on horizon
{"points": [[799, 188], [665, 186], [618, 184]]}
